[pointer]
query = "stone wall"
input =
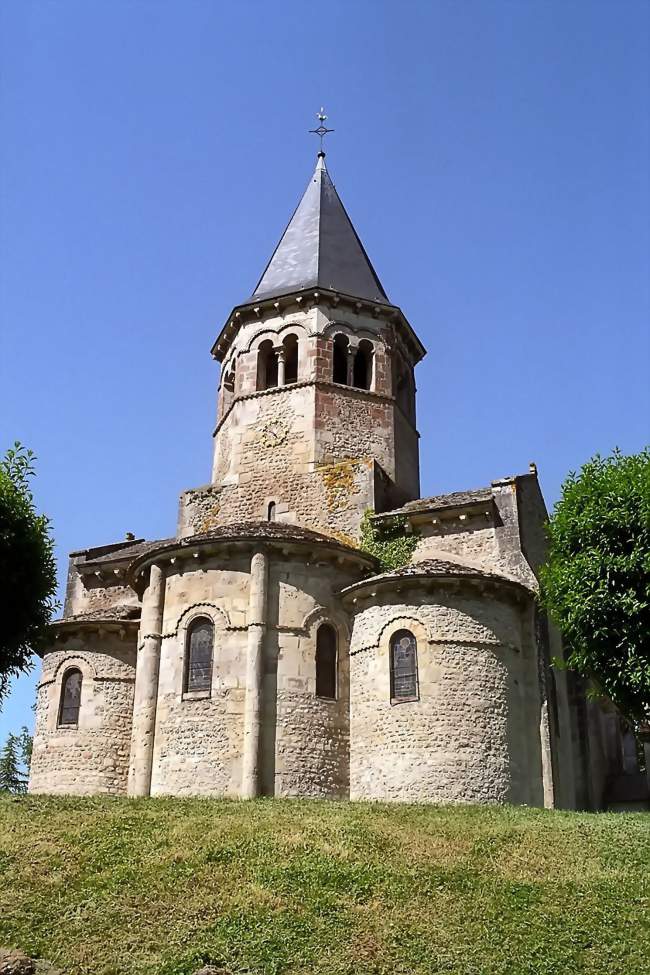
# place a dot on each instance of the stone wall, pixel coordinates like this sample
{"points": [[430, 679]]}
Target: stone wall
{"points": [[472, 736], [91, 592], [92, 758], [199, 737], [273, 444], [330, 498]]}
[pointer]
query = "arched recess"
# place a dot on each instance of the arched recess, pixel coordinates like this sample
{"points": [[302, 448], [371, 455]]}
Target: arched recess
{"points": [[362, 370], [290, 350], [340, 372], [322, 614], [275, 336], [267, 366]]}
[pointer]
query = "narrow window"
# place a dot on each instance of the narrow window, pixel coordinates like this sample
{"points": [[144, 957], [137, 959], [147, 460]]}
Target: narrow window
{"points": [[340, 370], [403, 667], [267, 366], [290, 359], [70, 698], [270, 514], [326, 661], [228, 390], [362, 369], [198, 667]]}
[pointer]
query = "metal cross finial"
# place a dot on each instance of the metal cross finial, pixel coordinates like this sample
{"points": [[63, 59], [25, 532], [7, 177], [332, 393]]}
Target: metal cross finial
{"points": [[321, 131]]}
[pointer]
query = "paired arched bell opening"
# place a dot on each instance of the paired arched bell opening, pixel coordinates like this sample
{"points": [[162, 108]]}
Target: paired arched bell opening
{"points": [[352, 365], [277, 365]]}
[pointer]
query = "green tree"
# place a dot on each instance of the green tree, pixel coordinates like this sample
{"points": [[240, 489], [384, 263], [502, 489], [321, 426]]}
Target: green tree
{"points": [[596, 581], [12, 777], [27, 567], [26, 744]]}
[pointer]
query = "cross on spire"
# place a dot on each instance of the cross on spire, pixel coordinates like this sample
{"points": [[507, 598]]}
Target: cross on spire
{"points": [[322, 130]]}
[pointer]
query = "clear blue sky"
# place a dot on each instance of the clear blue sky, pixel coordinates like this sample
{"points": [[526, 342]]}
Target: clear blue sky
{"points": [[493, 156]]}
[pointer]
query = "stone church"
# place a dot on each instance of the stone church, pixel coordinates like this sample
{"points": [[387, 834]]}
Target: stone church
{"points": [[261, 650]]}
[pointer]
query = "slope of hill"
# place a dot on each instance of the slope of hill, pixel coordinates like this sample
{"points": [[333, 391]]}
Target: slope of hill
{"points": [[163, 886]]}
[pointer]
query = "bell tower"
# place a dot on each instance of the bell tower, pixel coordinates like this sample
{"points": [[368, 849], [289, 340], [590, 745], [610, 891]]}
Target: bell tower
{"points": [[316, 405]]}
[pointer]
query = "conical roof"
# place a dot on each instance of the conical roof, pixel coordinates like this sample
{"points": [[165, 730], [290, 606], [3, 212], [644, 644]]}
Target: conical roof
{"points": [[320, 249]]}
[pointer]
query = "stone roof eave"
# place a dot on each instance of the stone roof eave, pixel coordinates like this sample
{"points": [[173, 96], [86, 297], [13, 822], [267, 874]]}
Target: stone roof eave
{"points": [[194, 546], [395, 581], [252, 309]]}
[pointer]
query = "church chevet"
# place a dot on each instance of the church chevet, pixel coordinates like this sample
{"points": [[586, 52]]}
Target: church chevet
{"points": [[262, 650]]}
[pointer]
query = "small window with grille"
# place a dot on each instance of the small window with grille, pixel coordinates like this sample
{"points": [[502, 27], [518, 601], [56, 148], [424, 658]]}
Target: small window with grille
{"points": [[198, 656], [403, 667], [70, 698]]}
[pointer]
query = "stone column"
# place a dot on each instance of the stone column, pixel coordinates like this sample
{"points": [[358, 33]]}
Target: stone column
{"points": [[351, 356], [257, 603], [280, 354], [146, 685]]}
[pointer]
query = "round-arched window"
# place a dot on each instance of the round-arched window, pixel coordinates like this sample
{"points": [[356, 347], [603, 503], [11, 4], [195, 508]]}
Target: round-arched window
{"points": [[198, 656], [403, 667], [70, 703]]}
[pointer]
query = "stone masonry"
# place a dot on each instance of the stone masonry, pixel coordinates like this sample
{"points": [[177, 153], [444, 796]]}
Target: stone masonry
{"points": [[260, 650]]}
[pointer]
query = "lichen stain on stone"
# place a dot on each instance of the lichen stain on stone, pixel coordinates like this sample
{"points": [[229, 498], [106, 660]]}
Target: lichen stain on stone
{"points": [[339, 481]]}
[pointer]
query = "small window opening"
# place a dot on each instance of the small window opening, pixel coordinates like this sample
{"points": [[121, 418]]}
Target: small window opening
{"points": [[340, 364], [362, 369], [228, 389], [290, 359], [403, 667], [270, 514], [198, 666], [326, 661], [70, 698]]}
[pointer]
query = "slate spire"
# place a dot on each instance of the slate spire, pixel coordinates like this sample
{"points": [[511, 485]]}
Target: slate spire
{"points": [[320, 248]]}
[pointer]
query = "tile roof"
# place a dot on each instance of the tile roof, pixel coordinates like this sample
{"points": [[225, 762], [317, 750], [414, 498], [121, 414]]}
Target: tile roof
{"points": [[439, 501], [431, 568], [106, 614]]}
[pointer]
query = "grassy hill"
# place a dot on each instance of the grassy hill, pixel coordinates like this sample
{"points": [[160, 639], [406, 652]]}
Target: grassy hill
{"points": [[160, 886]]}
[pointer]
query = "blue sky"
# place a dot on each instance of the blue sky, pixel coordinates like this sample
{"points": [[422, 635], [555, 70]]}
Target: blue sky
{"points": [[493, 156]]}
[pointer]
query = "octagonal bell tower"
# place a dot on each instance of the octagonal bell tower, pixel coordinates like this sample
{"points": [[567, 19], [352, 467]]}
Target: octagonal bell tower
{"points": [[316, 407]]}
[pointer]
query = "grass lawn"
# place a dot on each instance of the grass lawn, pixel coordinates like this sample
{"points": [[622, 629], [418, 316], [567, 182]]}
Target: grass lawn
{"points": [[160, 886]]}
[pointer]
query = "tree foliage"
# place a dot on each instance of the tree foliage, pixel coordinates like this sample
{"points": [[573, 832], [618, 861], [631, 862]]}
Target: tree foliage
{"points": [[12, 775], [390, 543], [27, 567], [596, 582]]}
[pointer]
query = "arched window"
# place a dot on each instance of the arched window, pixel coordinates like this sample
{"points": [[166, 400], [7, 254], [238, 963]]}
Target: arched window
{"points": [[326, 661], [340, 360], [70, 697], [270, 511], [290, 345], [362, 369], [403, 667], [198, 655], [267, 366]]}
